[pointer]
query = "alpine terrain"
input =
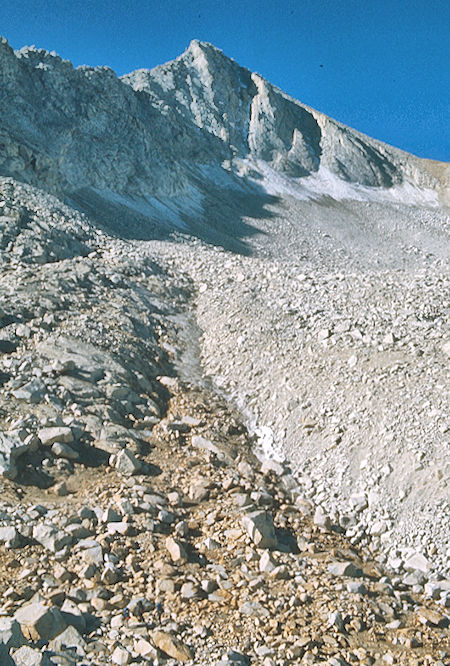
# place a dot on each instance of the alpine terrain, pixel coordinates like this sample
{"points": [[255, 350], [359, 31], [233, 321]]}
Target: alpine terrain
{"points": [[223, 375]]}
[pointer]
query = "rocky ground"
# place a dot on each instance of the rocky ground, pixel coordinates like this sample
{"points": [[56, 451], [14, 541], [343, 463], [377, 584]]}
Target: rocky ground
{"points": [[136, 523], [333, 337], [208, 557]]}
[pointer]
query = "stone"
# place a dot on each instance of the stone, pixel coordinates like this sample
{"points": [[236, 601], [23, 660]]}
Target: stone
{"points": [[208, 585], [176, 550], [144, 648], [190, 590], [323, 334], [335, 620], [10, 633], [10, 537], [266, 563], [29, 656], [166, 517], [110, 574], [165, 586], [11, 448], [38, 622], [171, 646], [199, 490], [259, 526], [73, 616], [119, 528], [211, 544], [246, 470], [69, 638], [389, 339], [242, 500], [358, 502], [282, 572], [120, 656], [182, 528], [60, 489], [435, 589], [378, 528], [49, 436], [32, 392], [126, 463], [110, 516], [344, 569], [432, 618], [78, 531], [51, 537], [204, 444], [417, 561], [356, 588], [92, 552], [321, 519], [61, 450]]}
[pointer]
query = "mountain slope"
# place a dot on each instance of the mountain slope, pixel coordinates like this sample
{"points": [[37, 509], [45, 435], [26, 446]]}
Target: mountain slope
{"points": [[155, 144]]}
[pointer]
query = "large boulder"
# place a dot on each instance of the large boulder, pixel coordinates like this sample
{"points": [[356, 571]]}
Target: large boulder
{"points": [[39, 622]]}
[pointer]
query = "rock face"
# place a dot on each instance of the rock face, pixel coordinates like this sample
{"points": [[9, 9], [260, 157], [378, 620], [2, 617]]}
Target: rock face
{"points": [[156, 143]]}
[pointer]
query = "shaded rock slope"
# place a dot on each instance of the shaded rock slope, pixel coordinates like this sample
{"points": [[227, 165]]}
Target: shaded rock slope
{"points": [[196, 270]]}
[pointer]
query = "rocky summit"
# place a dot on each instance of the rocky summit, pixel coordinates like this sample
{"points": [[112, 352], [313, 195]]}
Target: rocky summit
{"points": [[223, 372]]}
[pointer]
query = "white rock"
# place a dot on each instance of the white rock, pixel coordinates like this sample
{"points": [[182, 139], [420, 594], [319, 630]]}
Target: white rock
{"points": [[417, 561], [126, 463], [49, 436], [10, 633], [259, 526]]}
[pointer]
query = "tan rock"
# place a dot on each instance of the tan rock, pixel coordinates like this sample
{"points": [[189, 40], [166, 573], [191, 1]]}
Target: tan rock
{"points": [[430, 617], [171, 646], [259, 527], [199, 490], [176, 550]]}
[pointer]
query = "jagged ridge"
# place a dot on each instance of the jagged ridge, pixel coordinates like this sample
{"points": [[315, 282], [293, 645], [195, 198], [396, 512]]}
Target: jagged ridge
{"points": [[164, 136]]}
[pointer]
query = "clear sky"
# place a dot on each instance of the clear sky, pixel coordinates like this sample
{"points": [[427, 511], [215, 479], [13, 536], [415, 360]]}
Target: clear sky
{"points": [[380, 66]]}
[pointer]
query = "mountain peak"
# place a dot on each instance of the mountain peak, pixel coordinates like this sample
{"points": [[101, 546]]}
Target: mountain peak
{"points": [[197, 46], [153, 132]]}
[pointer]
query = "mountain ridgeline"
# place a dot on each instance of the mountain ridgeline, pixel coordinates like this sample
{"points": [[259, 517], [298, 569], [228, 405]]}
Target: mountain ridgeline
{"points": [[166, 143]]}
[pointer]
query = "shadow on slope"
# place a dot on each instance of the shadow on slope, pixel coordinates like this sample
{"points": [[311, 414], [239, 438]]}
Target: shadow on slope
{"points": [[221, 219]]}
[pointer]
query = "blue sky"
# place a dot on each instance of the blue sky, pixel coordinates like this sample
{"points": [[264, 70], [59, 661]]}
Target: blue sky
{"points": [[380, 66]]}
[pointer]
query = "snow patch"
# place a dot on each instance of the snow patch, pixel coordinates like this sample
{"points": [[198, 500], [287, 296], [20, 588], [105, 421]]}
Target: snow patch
{"points": [[325, 183]]}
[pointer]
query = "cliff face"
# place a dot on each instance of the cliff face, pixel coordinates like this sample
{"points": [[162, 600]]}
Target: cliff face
{"points": [[166, 136]]}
